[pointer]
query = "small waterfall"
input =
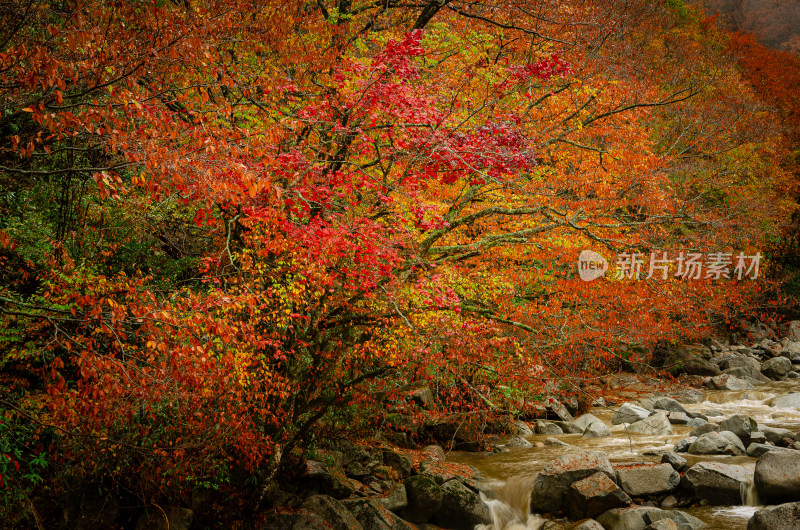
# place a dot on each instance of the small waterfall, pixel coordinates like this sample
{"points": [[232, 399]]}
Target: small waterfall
{"points": [[749, 494], [510, 509]]}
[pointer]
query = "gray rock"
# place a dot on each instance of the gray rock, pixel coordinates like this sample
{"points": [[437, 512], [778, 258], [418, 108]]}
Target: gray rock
{"points": [[730, 383], [399, 462], [788, 401], [705, 428], [776, 434], [629, 413], [748, 374], [776, 368], [557, 409], [594, 495], [554, 441], [740, 425], [518, 441], [737, 360], [597, 429], [372, 516], [587, 524], [758, 437], [568, 427], [716, 483], [396, 500], [683, 445], [663, 524], [714, 413], [639, 517], [642, 479], [781, 517], [521, 428], [424, 498], [717, 443], [295, 519], [331, 481], [698, 366], [332, 511], [585, 420], [557, 476], [678, 418], [547, 427], [677, 462], [696, 422], [422, 397], [657, 424], [757, 449], [668, 404], [462, 508], [777, 476]]}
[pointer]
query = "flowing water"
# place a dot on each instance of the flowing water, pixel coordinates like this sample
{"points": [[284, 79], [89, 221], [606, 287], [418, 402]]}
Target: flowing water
{"points": [[509, 476]]}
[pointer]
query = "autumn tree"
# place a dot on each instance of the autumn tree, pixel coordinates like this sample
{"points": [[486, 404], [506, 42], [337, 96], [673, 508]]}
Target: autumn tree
{"points": [[230, 229]]}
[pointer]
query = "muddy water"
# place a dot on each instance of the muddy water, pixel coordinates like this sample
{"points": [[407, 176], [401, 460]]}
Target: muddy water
{"points": [[509, 476]]}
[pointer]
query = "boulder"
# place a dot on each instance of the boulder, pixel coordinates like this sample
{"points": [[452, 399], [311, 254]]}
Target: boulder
{"points": [[705, 428], [586, 524], [372, 516], [518, 441], [585, 420], [663, 524], [639, 517], [332, 511], [657, 425], [793, 331], [550, 441], [424, 498], [757, 449], [776, 368], [683, 446], [629, 413], [775, 434], [740, 425], [547, 427], [758, 437], [717, 443], [668, 404], [640, 479], [699, 366], [398, 461], [597, 429], [777, 476], [678, 418], [748, 374], [329, 481], [521, 428], [781, 517], [729, 382], [694, 423], [569, 427], [433, 453], [738, 360], [716, 483], [295, 519], [462, 508], [677, 462], [557, 409], [594, 495], [557, 476], [397, 500], [787, 401]]}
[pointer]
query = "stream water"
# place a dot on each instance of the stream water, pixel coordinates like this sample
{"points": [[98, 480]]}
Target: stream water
{"points": [[509, 476]]}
